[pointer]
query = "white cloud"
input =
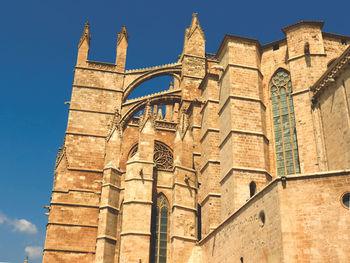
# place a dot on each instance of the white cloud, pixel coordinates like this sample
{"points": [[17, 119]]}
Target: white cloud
{"points": [[34, 252], [3, 218], [19, 225], [22, 225]]}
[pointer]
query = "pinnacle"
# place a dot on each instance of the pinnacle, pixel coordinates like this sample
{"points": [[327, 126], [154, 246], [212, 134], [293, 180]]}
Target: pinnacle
{"points": [[123, 33], [86, 34], [194, 24]]}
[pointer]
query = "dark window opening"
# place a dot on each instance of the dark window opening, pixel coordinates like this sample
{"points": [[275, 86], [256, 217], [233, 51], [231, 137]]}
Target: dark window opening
{"points": [[252, 188], [343, 41], [276, 47], [199, 222], [346, 200], [241, 259], [262, 218]]}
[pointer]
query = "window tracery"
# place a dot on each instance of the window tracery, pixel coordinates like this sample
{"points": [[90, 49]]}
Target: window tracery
{"points": [[286, 146], [163, 157]]}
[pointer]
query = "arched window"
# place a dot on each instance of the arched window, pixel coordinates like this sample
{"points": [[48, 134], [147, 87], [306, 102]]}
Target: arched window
{"points": [[159, 229], [287, 155], [252, 188], [163, 156]]}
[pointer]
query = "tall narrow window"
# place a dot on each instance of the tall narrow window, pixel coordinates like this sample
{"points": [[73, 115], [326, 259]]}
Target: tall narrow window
{"points": [[287, 155], [252, 188], [159, 230]]}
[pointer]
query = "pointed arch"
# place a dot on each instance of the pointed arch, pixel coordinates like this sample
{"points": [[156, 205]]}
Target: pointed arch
{"points": [[159, 229], [286, 145], [163, 155]]}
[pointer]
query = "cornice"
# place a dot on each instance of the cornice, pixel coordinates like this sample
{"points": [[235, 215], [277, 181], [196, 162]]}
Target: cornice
{"points": [[329, 77]]}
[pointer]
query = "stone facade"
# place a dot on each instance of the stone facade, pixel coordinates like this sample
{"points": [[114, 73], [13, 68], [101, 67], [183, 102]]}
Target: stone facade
{"points": [[245, 158]]}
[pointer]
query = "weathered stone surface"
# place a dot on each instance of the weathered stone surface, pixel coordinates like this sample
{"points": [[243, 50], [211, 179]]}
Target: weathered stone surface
{"points": [[207, 147]]}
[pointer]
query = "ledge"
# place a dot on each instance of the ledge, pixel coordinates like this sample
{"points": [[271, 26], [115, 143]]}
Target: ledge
{"points": [[206, 198], [68, 251], [238, 97], [91, 111], [107, 237], [247, 169], [71, 225], [74, 205], [135, 233], [191, 239], [184, 207], [246, 132], [94, 87]]}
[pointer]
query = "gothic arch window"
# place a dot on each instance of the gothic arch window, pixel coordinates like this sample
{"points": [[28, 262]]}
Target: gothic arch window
{"points": [[162, 157], [286, 145], [159, 230], [133, 151]]}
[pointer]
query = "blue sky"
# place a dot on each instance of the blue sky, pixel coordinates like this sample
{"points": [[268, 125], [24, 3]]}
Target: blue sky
{"points": [[38, 46]]}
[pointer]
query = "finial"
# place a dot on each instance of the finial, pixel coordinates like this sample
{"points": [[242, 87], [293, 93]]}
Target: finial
{"points": [[123, 33], [86, 34], [171, 85]]}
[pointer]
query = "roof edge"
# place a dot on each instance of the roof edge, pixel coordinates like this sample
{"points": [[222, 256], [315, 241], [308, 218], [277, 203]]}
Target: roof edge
{"points": [[329, 75], [235, 37], [303, 22]]}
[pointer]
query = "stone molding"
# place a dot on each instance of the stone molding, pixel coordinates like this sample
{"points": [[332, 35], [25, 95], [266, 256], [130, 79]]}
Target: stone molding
{"points": [[69, 251], [110, 207], [246, 132], [328, 78], [144, 202], [208, 130], [71, 225], [306, 55], [234, 65], [216, 162], [184, 207], [247, 169], [208, 195], [91, 111], [238, 97], [135, 233], [185, 238], [74, 204], [86, 134], [94, 87], [107, 237]]}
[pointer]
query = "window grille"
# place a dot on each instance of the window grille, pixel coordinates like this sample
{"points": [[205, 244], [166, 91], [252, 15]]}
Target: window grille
{"points": [[160, 231], [286, 145]]}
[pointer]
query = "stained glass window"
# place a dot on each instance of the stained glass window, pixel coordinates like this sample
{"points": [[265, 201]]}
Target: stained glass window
{"points": [[159, 239], [286, 145]]}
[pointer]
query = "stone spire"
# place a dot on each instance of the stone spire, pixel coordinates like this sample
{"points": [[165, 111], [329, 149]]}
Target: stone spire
{"points": [[194, 43], [84, 45], [86, 35], [122, 46]]}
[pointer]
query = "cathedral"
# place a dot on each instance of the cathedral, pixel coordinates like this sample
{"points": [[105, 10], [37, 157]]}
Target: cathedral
{"points": [[244, 158]]}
